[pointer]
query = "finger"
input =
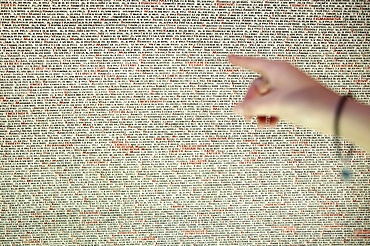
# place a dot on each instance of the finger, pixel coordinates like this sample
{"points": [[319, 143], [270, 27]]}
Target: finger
{"points": [[258, 65], [261, 121], [267, 121], [273, 121], [258, 106]]}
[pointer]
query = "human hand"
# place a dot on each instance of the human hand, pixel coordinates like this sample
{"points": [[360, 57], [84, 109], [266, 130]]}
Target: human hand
{"points": [[289, 93]]}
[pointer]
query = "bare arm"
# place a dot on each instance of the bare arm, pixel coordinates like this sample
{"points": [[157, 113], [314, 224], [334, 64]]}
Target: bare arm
{"points": [[293, 95]]}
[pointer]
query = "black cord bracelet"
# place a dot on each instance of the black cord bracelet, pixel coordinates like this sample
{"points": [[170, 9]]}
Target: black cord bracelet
{"points": [[338, 112]]}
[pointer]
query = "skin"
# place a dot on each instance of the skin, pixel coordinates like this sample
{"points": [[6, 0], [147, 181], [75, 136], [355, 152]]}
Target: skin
{"points": [[295, 96]]}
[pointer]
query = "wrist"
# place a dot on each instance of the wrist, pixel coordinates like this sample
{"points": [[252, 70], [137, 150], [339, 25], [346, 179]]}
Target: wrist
{"points": [[338, 112], [354, 123], [323, 105]]}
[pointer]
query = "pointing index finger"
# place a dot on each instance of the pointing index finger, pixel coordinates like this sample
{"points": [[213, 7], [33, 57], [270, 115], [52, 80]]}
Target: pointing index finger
{"points": [[258, 65]]}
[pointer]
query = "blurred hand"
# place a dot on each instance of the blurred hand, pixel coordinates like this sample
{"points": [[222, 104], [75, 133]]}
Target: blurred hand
{"points": [[289, 93]]}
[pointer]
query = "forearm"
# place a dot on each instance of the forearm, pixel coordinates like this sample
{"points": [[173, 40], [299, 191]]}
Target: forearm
{"points": [[354, 123]]}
